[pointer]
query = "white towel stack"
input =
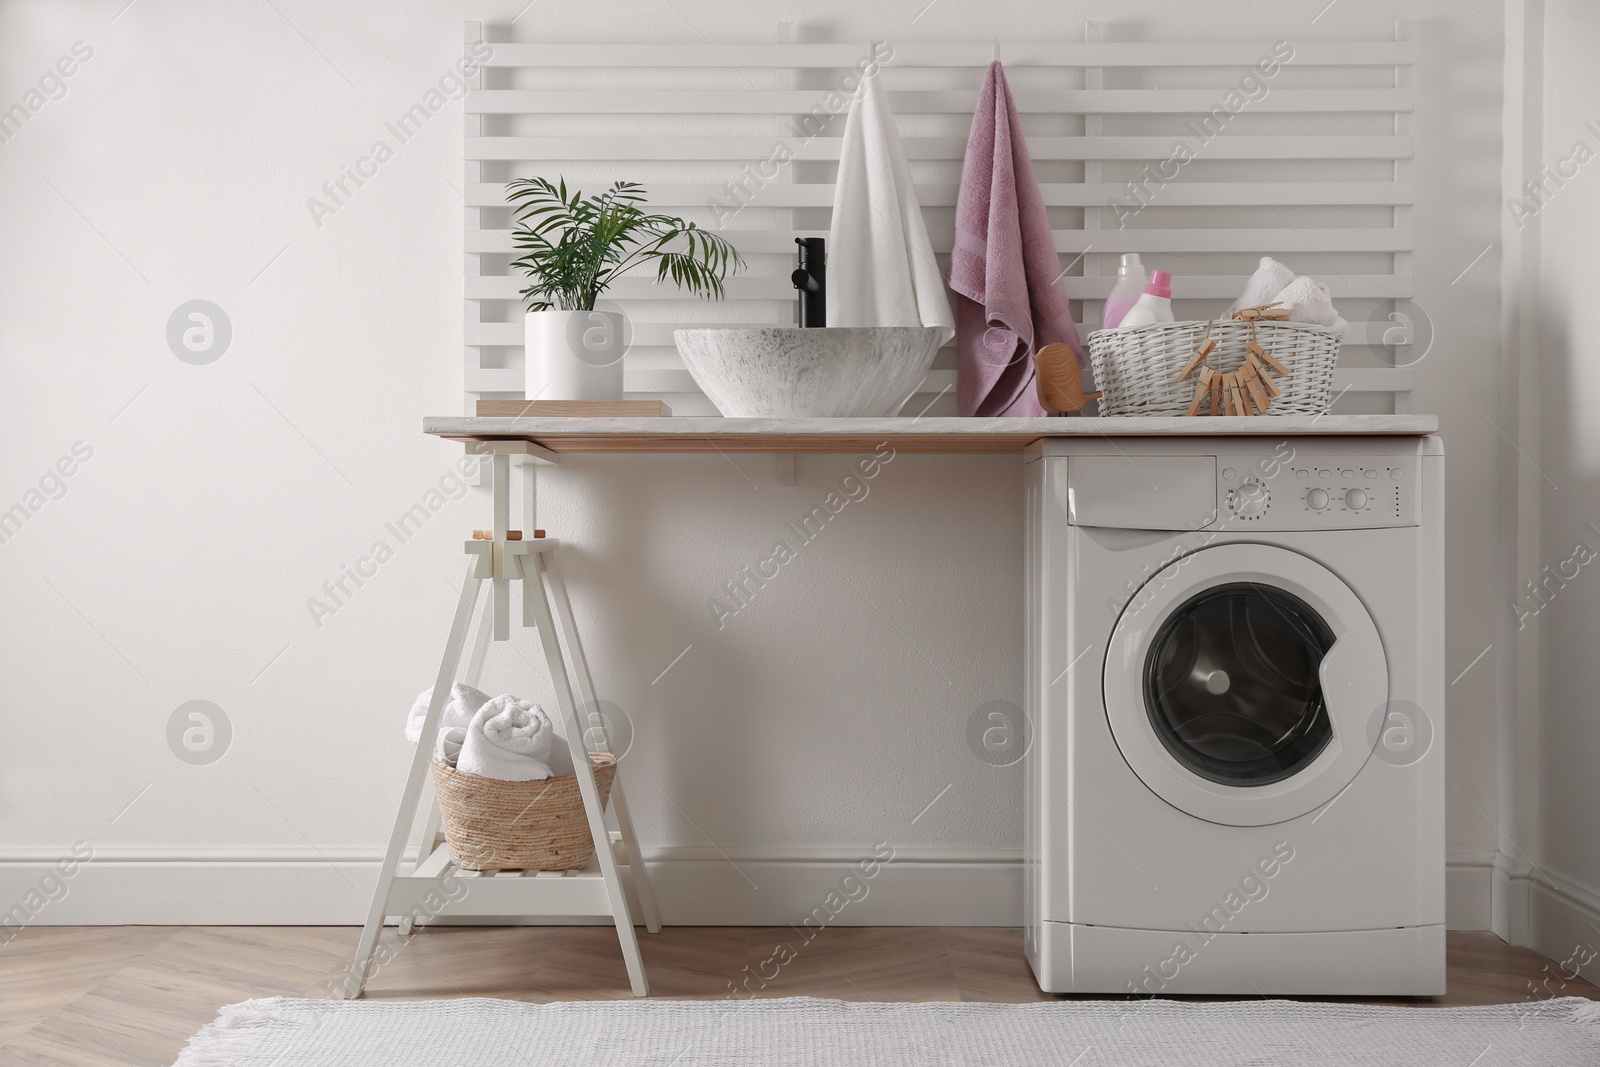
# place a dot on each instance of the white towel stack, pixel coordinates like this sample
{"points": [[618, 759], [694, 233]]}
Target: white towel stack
{"points": [[464, 702], [513, 740], [1307, 299]]}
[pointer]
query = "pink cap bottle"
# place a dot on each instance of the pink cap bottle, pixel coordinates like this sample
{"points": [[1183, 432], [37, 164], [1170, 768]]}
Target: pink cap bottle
{"points": [[1155, 304]]}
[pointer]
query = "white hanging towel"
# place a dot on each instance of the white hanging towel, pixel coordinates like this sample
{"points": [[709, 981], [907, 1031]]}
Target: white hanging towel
{"points": [[881, 270]]}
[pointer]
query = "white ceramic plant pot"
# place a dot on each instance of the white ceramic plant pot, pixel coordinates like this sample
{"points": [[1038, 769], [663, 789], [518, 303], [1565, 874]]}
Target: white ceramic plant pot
{"points": [[574, 355]]}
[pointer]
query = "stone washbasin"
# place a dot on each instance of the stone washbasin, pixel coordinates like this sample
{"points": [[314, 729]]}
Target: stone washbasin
{"points": [[773, 372]]}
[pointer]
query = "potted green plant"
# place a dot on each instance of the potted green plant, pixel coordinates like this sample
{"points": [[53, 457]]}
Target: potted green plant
{"points": [[573, 247]]}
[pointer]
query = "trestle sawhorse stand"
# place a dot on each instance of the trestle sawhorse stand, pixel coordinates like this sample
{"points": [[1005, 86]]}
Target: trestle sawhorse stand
{"points": [[595, 891]]}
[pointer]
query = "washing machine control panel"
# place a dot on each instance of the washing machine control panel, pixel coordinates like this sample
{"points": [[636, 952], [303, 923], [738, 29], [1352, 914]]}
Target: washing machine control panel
{"points": [[1285, 491]]}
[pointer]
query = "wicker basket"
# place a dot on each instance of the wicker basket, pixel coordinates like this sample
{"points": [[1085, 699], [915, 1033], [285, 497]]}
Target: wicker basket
{"points": [[519, 826], [1136, 369]]}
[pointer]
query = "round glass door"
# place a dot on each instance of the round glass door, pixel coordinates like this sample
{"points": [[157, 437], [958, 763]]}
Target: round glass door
{"points": [[1232, 685], [1239, 682]]}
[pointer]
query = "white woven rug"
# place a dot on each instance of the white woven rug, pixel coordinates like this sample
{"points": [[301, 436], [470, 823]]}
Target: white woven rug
{"points": [[488, 1033]]}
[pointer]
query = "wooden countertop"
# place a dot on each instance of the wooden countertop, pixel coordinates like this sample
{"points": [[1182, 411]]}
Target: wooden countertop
{"points": [[686, 433]]}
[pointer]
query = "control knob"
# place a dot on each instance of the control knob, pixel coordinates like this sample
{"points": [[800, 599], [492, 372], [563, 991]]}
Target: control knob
{"points": [[1249, 500], [1317, 499]]}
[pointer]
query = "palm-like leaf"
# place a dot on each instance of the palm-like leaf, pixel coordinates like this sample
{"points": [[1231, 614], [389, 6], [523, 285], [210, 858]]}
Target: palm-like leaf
{"points": [[573, 246]]}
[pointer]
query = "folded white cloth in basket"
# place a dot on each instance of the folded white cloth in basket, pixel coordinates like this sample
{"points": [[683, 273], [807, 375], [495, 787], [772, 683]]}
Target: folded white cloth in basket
{"points": [[1264, 285], [513, 740], [1308, 300], [464, 702]]}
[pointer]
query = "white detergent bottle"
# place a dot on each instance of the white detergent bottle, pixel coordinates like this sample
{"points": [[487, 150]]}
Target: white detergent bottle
{"points": [[1155, 305], [1125, 293]]}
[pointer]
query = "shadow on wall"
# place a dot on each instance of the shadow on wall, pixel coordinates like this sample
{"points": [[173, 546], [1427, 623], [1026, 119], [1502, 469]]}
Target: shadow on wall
{"points": [[648, 614], [1563, 598]]}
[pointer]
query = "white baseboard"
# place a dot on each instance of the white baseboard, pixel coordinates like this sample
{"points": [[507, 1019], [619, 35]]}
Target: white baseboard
{"points": [[1563, 923], [1469, 891], [696, 887]]}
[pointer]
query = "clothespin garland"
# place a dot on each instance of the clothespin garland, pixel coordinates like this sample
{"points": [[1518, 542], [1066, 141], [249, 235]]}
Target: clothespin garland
{"points": [[1246, 391]]}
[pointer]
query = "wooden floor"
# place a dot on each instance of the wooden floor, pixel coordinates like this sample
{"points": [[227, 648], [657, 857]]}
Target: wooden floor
{"points": [[132, 995]]}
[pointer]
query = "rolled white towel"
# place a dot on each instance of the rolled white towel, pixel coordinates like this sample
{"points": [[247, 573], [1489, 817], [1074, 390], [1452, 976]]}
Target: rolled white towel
{"points": [[448, 750], [1270, 279], [1308, 300], [464, 702], [513, 740]]}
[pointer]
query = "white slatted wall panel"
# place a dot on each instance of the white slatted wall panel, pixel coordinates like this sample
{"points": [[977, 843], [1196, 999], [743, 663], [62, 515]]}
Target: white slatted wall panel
{"points": [[1315, 172]]}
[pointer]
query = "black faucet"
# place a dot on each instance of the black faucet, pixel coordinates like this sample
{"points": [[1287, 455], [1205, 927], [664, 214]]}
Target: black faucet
{"points": [[811, 278]]}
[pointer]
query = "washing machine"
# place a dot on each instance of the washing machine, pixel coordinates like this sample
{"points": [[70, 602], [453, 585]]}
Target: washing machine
{"points": [[1235, 674]]}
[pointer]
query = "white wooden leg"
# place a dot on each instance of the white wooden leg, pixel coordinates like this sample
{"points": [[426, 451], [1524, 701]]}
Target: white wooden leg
{"points": [[500, 475], [432, 831], [641, 880], [480, 647], [619, 802], [407, 814], [533, 590]]}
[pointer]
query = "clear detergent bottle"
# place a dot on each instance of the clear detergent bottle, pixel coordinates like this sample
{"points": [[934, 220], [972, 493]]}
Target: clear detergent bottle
{"points": [[1125, 293]]}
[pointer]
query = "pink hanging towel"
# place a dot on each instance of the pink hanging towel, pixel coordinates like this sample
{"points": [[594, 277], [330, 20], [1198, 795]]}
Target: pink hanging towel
{"points": [[1004, 270]]}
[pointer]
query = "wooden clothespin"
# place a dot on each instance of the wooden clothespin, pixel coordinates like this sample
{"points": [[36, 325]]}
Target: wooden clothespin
{"points": [[1263, 374], [1237, 395], [1258, 394], [1262, 311], [1266, 357]]}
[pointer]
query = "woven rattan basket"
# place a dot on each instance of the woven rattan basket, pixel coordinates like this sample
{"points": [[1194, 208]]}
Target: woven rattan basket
{"points": [[519, 826], [1136, 369]]}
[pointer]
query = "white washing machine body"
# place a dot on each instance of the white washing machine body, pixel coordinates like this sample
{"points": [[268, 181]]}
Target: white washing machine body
{"points": [[1235, 671]]}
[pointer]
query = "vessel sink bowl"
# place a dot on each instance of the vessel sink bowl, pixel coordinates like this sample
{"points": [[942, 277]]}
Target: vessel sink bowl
{"points": [[770, 372]]}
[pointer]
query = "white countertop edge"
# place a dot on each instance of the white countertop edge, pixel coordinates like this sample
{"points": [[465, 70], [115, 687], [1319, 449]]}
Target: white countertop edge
{"points": [[1261, 425]]}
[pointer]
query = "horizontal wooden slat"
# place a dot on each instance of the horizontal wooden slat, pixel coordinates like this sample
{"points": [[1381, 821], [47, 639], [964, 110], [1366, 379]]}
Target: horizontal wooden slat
{"points": [[642, 286], [676, 380], [1056, 194], [1214, 287], [707, 149], [659, 334], [750, 242], [584, 894], [666, 380], [1233, 54], [1374, 380], [736, 101]]}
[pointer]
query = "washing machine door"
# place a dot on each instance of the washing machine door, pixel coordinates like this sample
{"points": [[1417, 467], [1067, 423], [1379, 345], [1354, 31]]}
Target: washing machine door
{"points": [[1240, 683]]}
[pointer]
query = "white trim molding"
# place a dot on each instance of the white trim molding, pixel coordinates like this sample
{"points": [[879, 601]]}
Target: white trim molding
{"points": [[1557, 917], [695, 886]]}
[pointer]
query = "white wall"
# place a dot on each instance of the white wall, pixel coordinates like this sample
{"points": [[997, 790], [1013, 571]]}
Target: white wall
{"points": [[1561, 861], [219, 498]]}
